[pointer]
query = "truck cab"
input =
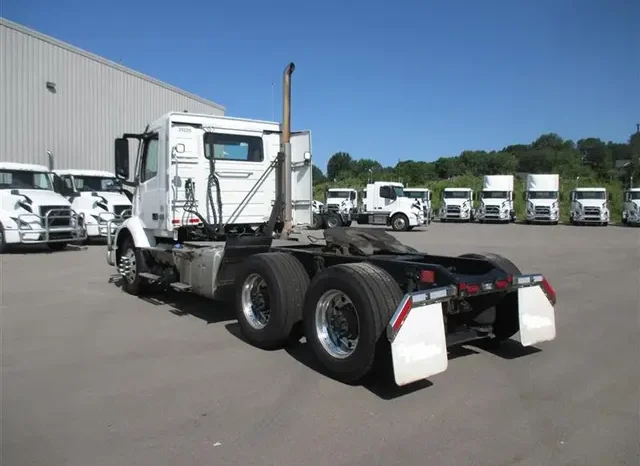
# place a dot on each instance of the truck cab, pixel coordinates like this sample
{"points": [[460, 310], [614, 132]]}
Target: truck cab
{"points": [[589, 206], [342, 200], [98, 195], [32, 212], [424, 195], [204, 177], [631, 207], [542, 197], [457, 204], [496, 199], [386, 204]]}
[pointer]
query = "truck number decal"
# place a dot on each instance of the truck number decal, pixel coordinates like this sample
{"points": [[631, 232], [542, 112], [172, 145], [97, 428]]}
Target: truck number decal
{"points": [[184, 129]]}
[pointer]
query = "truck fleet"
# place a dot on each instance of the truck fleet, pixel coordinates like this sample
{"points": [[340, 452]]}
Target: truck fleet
{"points": [[216, 203]]}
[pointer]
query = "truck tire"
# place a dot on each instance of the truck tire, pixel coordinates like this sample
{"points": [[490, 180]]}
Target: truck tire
{"points": [[353, 302], [269, 295], [3, 241], [318, 222], [506, 323], [136, 264], [333, 220], [399, 222], [55, 246], [347, 224]]}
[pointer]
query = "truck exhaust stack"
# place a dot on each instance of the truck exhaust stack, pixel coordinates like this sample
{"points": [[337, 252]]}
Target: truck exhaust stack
{"points": [[285, 148]]}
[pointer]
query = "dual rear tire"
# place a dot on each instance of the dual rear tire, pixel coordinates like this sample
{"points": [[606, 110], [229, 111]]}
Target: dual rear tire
{"points": [[343, 310]]}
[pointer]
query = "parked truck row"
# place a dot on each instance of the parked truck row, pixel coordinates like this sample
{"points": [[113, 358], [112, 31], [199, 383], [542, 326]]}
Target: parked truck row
{"points": [[379, 203]]}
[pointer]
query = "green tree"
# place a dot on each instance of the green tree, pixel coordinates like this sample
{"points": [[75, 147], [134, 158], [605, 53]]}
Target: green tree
{"points": [[339, 162]]}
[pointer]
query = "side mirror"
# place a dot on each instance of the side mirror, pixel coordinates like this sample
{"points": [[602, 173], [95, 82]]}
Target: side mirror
{"points": [[60, 187], [122, 158]]}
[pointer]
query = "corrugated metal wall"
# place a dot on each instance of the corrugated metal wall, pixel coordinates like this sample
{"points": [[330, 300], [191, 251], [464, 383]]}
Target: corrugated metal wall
{"points": [[93, 102]]}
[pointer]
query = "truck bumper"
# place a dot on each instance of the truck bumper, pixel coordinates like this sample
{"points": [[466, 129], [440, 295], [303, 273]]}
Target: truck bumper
{"points": [[417, 331], [45, 231]]}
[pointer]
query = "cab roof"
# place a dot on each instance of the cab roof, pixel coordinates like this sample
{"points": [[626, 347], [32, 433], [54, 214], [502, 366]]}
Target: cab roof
{"points": [[23, 166], [79, 172]]}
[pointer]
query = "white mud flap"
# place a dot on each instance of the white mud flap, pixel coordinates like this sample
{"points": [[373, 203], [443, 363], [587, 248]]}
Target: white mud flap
{"points": [[536, 315], [417, 336]]}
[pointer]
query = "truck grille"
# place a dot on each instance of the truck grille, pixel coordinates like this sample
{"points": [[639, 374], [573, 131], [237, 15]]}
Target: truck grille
{"points": [[118, 209], [59, 216], [492, 210], [453, 211], [592, 211], [543, 210]]}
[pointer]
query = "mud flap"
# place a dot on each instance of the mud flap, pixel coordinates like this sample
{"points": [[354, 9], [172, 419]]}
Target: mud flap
{"points": [[419, 349], [536, 315]]}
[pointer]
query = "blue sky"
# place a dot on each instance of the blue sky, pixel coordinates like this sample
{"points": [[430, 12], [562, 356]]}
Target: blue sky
{"points": [[383, 80]]}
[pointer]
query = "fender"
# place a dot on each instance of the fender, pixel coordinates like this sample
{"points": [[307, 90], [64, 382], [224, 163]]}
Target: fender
{"points": [[7, 221], [413, 220], [135, 227]]}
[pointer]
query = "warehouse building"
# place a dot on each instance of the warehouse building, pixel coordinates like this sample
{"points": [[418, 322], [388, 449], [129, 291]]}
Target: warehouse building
{"points": [[56, 97]]}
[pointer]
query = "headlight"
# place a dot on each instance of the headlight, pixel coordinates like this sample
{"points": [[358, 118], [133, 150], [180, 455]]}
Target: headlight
{"points": [[530, 206], [555, 205], [23, 225]]}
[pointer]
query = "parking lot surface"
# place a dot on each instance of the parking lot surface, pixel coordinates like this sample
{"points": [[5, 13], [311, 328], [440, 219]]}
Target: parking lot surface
{"points": [[93, 376]]}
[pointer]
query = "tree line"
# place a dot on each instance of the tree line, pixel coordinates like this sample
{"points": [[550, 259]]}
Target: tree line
{"points": [[590, 159]]}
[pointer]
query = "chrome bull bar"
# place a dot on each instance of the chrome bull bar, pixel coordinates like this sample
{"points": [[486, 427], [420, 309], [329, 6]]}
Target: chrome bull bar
{"points": [[106, 221], [112, 227], [44, 232]]}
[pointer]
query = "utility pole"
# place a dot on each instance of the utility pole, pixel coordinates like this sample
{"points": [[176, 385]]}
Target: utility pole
{"points": [[637, 127]]}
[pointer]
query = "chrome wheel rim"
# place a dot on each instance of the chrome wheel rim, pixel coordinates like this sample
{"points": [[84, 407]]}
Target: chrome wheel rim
{"points": [[399, 223], [337, 324], [129, 266], [332, 222], [255, 301]]}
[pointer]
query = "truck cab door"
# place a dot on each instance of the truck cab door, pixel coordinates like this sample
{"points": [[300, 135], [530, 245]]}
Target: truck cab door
{"points": [[149, 196], [301, 178]]}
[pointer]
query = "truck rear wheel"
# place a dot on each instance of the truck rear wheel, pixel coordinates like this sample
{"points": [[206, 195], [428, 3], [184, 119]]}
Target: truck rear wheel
{"points": [[346, 310], [333, 220], [506, 323], [269, 295]]}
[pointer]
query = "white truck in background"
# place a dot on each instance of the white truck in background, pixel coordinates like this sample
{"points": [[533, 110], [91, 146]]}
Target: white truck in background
{"points": [[342, 199], [98, 195], [631, 206], [589, 206], [386, 204], [425, 196], [32, 212], [496, 199], [542, 197], [457, 204]]}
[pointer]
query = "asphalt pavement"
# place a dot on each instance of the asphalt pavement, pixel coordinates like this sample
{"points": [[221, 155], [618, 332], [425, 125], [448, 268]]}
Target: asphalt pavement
{"points": [[93, 376]]}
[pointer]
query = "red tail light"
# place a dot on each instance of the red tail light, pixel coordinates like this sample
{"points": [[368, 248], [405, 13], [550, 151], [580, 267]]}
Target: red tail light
{"points": [[427, 276], [404, 312], [469, 288], [502, 284], [177, 221]]}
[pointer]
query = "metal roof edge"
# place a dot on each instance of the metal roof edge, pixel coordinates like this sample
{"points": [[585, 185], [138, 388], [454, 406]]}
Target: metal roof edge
{"points": [[92, 56]]}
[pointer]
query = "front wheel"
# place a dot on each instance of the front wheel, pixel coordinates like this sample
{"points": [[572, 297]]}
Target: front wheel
{"points": [[333, 220], [345, 313], [130, 265], [317, 222], [400, 222]]}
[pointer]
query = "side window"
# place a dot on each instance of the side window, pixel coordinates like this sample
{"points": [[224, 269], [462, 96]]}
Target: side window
{"points": [[149, 165], [68, 183], [385, 192], [234, 147]]}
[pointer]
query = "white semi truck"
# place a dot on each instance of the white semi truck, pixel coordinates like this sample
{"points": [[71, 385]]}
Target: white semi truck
{"points": [[98, 195], [354, 296], [496, 199], [32, 212], [589, 206], [425, 196], [542, 197], [388, 205], [631, 207], [457, 204]]}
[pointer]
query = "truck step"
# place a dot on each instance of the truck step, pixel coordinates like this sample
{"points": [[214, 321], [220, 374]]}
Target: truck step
{"points": [[180, 286], [150, 276]]}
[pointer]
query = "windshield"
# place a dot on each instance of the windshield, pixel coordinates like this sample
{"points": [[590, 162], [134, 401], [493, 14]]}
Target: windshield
{"points": [[24, 179], [543, 194], [416, 194], [96, 183], [634, 195], [339, 194], [590, 195], [399, 190], [494, 194], [456, 194]]}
